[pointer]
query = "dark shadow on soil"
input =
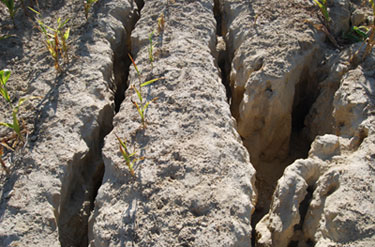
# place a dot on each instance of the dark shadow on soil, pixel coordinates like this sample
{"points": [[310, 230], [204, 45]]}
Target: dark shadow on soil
{"points": [[269, 172]]}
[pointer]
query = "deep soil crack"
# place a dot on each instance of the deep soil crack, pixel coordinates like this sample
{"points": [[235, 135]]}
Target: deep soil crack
{"points": [[84, 176], [306, 92], [223, 58], [269, 172]]}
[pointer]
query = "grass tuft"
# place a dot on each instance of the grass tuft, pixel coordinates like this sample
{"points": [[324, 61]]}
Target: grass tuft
{"points": [[130, 158], [15, 124], [55, 39], [142, 105]]}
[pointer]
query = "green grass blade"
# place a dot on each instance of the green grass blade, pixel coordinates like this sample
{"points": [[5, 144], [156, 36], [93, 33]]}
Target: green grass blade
{"points": [[42, 27], [7, 3], [319, 4], [140, 110], [325, 13], [132, 154], [131, 169], [125, 155], [66, 34], [131, 165], [61, 24], [7, 125], [16, 125], [148, 103], [4, 76], [135, 66], [121, 142], [10, 5], [323, 8], [21, 101], [123, 149], [150, 49], [360, 32], [66, 21], [4, 93], [151, 81], [36, 12], [138, 94], [50, 28]]}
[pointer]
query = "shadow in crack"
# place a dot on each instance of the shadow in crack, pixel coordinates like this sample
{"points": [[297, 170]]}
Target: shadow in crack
{"points": [[269, 171]]}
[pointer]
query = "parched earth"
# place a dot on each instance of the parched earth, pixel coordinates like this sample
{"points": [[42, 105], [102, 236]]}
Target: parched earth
{"points": [[259, 129]]}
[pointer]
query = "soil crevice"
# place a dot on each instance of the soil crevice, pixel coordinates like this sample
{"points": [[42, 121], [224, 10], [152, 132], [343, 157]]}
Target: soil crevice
{"points": [[223, 59], [85, 174]]}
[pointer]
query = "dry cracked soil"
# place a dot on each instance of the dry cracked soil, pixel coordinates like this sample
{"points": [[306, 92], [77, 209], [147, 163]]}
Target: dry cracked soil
{"points": [[258, 129]]}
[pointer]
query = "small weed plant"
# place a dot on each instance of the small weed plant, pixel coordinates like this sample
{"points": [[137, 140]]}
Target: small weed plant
{"points": [[361, 32], [19, 130], [87, 4], [55, 39], [15, 124], [356, 34], [367, 34], [136, 68], [142, 104], [130, 158]]}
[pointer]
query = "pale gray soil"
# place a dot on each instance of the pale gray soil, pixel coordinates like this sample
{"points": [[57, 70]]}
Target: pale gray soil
{"points": [[261, 133]]}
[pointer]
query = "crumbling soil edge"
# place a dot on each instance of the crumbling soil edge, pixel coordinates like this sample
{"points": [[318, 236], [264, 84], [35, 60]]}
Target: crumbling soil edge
{"points": [[306, 93], [84, 175], [224, 62]]}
